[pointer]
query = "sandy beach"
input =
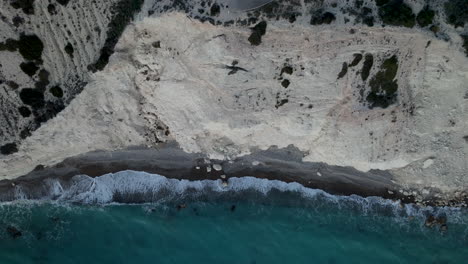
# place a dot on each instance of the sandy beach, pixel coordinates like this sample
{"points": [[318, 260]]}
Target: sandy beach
{"points": [[172, 162]]}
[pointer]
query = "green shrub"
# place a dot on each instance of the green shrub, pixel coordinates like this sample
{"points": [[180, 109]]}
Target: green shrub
{"points": [[425, 17], [397, 13]]}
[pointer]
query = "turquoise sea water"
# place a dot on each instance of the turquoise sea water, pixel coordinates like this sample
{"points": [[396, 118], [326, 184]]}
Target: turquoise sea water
{"points": [[262, 222]]}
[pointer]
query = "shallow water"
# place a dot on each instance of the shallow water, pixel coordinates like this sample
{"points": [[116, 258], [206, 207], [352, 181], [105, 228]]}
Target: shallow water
{"points": [[250, 221]]}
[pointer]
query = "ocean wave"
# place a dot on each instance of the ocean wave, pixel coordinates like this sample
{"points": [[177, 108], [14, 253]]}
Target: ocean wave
{"points": [[133, 187]]}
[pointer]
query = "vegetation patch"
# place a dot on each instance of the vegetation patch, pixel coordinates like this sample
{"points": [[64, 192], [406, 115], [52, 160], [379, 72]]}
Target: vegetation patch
{"points": [[13, 85], [24, 111], [29, 68], [51, 9], [465, 43], [456, 12], [381, 2], [425, 17], [286, 9], [56, 91], [366, 17], [215, 10], [123, 13], [49, 111], [29, 46], [281, 102], [258, 31], [69, 49], [356, 60], [43, 80], [367, 66], [343, 71], [397, 13], [32, 97], [17, 21], [63, 2], [287, 69], [285, 83], [26, 5], [320, 17], [8, 149], [383, 85]]}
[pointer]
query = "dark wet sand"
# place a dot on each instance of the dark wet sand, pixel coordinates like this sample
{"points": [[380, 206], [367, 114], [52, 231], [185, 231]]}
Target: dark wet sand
{"points": [[170, 161]]}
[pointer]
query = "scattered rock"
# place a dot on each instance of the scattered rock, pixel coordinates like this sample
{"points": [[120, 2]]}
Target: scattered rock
{"points": [[13, 232], [430, 221], [427, 163], [443, 228], [217, 167], [224, 183], [39, 167], [156, 44]]}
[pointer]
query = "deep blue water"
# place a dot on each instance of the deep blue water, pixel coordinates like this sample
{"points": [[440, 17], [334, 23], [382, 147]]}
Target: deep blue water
{"points": [[260, 222]]}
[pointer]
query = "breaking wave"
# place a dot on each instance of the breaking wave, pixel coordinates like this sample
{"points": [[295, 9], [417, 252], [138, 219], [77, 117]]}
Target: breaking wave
{"points": [[133, 187]]}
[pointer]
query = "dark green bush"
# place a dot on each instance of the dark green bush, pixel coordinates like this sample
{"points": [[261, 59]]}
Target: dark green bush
{"points": [[425, 17], [397, 13]]}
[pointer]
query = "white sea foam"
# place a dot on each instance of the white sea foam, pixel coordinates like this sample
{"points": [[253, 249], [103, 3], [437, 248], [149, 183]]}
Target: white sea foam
{"points": [[141, 187], [103, 189]]}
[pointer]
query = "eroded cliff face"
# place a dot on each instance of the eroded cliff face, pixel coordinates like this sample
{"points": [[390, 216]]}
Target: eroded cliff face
{"points": [[391, 99], [48, 50], [223, 83]]}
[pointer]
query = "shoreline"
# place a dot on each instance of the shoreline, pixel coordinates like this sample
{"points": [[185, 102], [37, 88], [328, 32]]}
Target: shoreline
{"points": [[172, 162]]}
